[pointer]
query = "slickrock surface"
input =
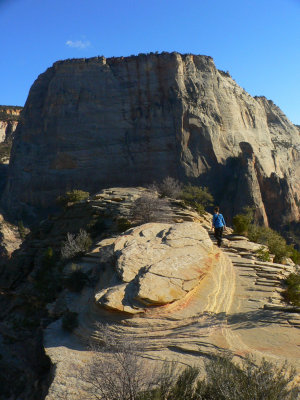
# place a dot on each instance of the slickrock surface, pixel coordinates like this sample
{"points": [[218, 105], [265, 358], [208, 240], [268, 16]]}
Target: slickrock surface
{"points": [[92, 123], [235, 304], [156, 264]]}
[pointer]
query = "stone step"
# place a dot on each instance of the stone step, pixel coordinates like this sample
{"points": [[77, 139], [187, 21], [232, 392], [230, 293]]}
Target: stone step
{"points": [[268, 281], [285, 308], [268, 275], [273, 265], [269, 284]]}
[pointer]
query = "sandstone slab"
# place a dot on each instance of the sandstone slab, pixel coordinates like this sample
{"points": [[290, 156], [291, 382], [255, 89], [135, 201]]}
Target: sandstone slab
{"points": [[157, 264]]}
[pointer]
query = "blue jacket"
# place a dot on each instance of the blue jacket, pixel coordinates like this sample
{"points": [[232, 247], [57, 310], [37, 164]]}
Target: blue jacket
{"points": [[218, 221]]}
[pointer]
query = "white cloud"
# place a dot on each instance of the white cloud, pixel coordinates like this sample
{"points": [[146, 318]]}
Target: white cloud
{"points": [[78, 44]]}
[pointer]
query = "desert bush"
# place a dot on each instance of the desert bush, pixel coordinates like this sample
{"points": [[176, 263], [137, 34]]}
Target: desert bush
{"points": [[70, 321], [267, 236], [226, 380], [197, 197], [149, 208], [263, 254], [229, 381], [169, 187], [294, 254], [116, 369], [76, 245], [243, 221], [73, 196], [276, 243], [243, 224], [292, 292], [76, 280]]}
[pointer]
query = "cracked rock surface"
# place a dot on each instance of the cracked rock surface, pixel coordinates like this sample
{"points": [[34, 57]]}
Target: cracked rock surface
{"points": [[156, 264]]}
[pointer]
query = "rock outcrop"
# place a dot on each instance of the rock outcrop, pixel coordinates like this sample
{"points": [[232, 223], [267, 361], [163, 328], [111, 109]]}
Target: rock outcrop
{"points": [[156, 264], [197, 298], [233, 303], [92, 123]]}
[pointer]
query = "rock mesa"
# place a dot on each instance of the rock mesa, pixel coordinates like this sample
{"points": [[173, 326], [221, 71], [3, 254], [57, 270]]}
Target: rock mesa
{"points": [[94, 123]]}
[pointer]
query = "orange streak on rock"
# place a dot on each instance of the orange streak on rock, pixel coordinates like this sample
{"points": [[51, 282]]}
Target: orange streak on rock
{"points": [[185, 302]]}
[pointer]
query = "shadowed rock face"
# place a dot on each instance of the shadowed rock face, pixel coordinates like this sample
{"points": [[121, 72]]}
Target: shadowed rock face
{"points": [[92, 123], [9, 117]]}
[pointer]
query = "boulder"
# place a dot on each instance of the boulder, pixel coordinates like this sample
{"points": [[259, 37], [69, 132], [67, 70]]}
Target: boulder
{"points": [[156, 264]]}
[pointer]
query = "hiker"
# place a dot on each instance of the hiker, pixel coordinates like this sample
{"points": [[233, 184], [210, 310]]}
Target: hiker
{"points": [[218, 223]]}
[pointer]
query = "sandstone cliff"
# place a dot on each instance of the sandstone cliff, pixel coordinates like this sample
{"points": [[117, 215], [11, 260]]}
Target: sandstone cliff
{"points": [[91, 123], [9, 117]]}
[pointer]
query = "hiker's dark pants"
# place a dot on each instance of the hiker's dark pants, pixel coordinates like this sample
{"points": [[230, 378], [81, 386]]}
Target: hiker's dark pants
{"points": [[218, 235]]}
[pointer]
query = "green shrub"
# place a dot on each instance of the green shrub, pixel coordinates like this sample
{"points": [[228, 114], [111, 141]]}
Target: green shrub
{"points": [[292, 292], [197, 197], [263, 254], [76, 280], [123, 224], [243, 221], [243, 225], [294, 254], [275, 242], [73, 196], [70, 321], [226, 380]]}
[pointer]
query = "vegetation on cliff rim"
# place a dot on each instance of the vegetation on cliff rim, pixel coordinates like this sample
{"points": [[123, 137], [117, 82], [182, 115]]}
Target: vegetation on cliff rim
{"points": [[73, 196], [150, 208], [5, 114], [197, 197]]}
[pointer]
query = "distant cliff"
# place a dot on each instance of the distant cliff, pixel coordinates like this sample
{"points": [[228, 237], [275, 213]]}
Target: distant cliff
{"points": [[92, 123], [9, 117]]}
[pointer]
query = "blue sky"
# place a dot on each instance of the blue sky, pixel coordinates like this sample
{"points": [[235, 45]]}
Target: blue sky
{"points": [[257, 41]]}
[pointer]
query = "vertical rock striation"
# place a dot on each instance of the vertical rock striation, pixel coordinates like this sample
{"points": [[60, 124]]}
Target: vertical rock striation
{"points": [[92, 123]]}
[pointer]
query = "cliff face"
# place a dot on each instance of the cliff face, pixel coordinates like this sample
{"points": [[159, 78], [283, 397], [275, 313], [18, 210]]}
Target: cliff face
{"points": [[92, 123], [9, 117]]}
